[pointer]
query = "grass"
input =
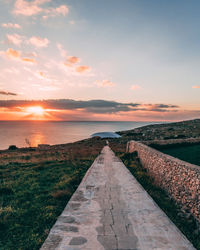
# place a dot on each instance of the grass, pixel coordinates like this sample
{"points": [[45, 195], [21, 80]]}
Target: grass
{"points": [[36, 186], [32, 196], [185, 222], [189, 153]]}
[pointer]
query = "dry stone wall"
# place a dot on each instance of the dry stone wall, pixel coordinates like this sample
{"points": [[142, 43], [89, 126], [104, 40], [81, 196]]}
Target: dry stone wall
{"points": [[180, 179]]}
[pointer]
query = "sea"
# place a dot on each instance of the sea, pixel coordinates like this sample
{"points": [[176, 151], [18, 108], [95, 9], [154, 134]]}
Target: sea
{"points": [[32, 133]]}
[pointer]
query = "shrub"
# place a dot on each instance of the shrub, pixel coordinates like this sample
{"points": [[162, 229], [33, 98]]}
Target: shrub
{"points": [[12, 147]]}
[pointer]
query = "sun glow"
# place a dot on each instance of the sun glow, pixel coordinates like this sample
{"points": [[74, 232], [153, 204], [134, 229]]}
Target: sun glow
{"points": [[36, 110]]}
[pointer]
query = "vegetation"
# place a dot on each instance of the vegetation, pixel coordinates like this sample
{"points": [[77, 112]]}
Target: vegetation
{"points": [[176, 130], [185, 222], [32, 196], [189, 153], [35, 185]]}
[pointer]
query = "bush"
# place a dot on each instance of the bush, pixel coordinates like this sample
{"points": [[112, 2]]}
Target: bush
{"points": [[12, 147]]}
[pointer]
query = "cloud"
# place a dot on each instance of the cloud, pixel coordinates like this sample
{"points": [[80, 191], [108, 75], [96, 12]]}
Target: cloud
{"points": [[14, 39], [82, 69], [13, 53], [28, 8], [73, 59], [11, 25], [30, 60], [6, 93], [49, 88], [196, 87], [31, 54], [16, 55], [105, 83], [38, 41], [52, 12], [41, 75], [62, 51], [12, 70], [91, 106], [31, 8], [67, 109], [135, 87], [159, 107]]}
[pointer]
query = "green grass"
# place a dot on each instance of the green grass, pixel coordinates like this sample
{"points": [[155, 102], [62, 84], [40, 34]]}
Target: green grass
{"points": [[184, 222], [32, 196], [189, 153]]}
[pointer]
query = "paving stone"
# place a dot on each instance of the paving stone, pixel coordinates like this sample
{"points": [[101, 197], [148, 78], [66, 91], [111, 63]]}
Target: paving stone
{"points": [[110, 210]]}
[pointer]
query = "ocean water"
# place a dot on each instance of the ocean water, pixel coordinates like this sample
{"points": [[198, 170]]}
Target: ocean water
{"points": [[37, 132]]}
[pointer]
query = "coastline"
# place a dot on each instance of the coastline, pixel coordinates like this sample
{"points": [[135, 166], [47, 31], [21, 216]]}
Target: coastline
{"points": [[37, 183]]}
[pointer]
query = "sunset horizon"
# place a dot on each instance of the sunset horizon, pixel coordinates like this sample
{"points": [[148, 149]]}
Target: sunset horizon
{"points": [[138, 62], [91, 110]]}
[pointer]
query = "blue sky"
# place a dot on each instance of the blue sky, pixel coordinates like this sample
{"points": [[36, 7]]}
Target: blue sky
{"points": [[145, 52]]}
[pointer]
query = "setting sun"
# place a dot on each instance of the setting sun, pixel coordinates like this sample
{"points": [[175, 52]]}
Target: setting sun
{"points": [[36, 110]]}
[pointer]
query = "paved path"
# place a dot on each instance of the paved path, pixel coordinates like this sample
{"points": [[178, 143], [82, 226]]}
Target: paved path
{"points": [[110, 210]]}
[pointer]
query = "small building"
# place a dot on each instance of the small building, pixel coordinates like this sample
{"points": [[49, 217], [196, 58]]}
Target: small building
{"points": [[106, 135]]}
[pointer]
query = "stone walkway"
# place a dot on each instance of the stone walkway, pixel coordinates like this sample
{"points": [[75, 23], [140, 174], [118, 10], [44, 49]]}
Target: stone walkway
{"points": [[110, 210]]}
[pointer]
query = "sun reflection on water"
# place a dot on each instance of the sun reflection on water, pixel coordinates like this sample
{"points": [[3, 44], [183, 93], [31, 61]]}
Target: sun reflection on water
{"points": [[37, 139]]}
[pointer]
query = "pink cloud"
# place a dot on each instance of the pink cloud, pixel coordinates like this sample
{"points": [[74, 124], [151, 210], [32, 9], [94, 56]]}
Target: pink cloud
{"points": [[62, 51], [196, 87], [27, 8], [14, 39], [135, 87], [38, 41], [31, 54], [42, 75], [61, 10], [11, 25]]}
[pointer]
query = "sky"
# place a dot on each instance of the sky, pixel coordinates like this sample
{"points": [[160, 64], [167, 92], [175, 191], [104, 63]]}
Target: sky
{"points": [[130, 60]]}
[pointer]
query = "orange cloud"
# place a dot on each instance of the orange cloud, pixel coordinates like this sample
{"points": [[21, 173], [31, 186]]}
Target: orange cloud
{"points": [[196, 87], [82, 69], [30, 60], [105, 83], [14, 39], [41, 75], [38, 41], [11, 25], [14, 54], [73, 59]]}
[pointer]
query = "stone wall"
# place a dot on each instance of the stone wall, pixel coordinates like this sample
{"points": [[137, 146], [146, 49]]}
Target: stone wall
{"points": [[180, 179]]}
